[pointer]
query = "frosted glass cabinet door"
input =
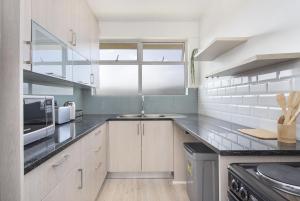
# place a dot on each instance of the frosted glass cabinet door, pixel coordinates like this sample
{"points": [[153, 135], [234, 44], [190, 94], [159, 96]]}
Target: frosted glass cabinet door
{"points": [[82, 69], [47, 53], [82, 74]]}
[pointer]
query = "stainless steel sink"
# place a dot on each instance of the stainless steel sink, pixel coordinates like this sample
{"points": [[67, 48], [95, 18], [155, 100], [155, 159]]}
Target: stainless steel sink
{"points": [[155, 116], [130, 116]]}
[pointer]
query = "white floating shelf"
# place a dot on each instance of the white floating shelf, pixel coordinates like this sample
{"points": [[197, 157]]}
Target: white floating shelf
{"points": [[37, 78], [219, 46], [255, 62]]}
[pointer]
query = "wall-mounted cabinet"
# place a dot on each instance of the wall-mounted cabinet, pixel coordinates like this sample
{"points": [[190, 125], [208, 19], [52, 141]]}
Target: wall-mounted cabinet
{"points": [[64, 41], [70, 20], [51, 57]]}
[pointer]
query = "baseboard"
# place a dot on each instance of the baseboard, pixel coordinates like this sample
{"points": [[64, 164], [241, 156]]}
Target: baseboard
{"points": [[140, 175]]}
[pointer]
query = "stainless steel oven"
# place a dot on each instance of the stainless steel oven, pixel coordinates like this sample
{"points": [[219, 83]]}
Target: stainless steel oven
{"points": [[39, 117]]}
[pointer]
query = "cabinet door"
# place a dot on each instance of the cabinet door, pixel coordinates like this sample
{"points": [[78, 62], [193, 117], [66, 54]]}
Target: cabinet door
{"points": [[124, 146], [157, 146], [69, 189]]}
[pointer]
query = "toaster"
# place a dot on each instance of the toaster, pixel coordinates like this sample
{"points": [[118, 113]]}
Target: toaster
{"points": [[62, 115]]}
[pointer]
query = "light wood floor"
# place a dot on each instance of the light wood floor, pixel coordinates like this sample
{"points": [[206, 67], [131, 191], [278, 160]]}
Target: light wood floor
{"points": [[142, 190]]}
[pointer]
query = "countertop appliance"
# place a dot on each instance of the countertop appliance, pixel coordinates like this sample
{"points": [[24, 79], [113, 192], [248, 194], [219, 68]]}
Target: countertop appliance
{"points": [[264, 182], [39, 117], [62, 115], [72, 106], [201, 172]]}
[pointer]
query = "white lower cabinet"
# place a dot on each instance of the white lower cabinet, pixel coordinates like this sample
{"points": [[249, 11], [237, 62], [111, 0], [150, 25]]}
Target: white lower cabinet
{"points": [[157, 146], [75, 174], [140, 146], [124, 146]]}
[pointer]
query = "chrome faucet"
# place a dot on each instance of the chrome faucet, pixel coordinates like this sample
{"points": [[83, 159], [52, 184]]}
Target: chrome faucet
{"points": [[143, 105]]}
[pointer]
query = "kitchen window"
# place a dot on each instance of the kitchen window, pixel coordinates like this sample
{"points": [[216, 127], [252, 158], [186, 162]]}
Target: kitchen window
{"points": [[147, 68]]}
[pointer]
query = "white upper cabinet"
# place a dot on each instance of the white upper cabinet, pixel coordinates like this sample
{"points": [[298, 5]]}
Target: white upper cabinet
{"points": [[69, 20]]}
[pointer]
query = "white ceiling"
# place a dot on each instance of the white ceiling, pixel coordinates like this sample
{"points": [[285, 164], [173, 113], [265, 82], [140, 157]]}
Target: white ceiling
{"points": [[140, 10]]}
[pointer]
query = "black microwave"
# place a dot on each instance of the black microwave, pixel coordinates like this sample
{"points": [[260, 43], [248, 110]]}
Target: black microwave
{"points": [[39, 117]]}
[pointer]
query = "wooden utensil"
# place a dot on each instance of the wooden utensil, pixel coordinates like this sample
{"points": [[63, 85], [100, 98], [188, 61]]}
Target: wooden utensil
{"points": [[290, 107], [295, 115], [282, 103], [260, 133]]}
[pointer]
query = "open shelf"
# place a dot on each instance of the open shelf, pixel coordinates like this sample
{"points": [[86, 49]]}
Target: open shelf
{"points": [[219, 46], [256, 61], [38, 78]]}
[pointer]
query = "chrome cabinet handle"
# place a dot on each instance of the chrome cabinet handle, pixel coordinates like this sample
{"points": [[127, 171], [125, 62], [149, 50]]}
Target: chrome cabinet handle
{"points": [[75, 39], [72, 37], [29, 62], [99, 165], [81, 179], [92, 78], [96, 151], [143, 129], [138, 129], [61, 161]]}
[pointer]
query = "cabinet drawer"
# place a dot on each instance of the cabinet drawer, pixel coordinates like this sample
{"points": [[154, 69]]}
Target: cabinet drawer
{"points": [[40, 181], [100, 136]]}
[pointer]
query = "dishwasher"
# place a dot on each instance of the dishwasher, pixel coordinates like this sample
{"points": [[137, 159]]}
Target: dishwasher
{"points": [[202, 172]]}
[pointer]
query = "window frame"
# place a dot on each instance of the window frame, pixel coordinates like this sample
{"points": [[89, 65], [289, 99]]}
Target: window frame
{"points": [[139, 62]]}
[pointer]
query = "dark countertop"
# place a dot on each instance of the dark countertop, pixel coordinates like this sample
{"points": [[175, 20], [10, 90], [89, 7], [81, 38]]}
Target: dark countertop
{"points": [[225, 139], [221, 136], [66, 134]]}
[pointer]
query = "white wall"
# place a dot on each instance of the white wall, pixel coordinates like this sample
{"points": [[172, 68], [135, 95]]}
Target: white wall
{"points": [[187, 30], [273, 26], [11, 146]]}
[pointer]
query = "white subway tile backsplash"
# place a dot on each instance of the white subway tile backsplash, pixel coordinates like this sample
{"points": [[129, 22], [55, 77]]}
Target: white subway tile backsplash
{"points": [[238, 100], [244, 110], [221, 91], [245, 80], [274, 113], [217, 83], [254, 78], [267, 100], [243, 89], [285, 73], [267, 76], [279, 86], [258, 88], [225, 83], [237, 81], [260, 112], [226, 99], [230, 91], [250, 100], [296, 84]]}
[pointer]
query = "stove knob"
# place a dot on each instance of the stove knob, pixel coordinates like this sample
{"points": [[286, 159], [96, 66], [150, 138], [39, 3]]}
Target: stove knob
{"points": [[234, 185], [244, 194]]}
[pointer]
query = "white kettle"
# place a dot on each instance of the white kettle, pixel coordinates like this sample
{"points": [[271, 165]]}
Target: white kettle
{"points": [[72, 106]]}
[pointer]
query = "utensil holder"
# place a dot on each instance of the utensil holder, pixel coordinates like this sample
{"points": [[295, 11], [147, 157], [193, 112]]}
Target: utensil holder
{"points": [[286, 133]]}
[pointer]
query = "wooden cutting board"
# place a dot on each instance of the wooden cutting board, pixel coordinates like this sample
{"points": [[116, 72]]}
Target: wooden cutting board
{"points": [[260, 133]]}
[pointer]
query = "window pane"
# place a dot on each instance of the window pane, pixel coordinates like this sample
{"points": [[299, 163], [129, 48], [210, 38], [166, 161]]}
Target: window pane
{"points": [[163, 80], [163, 52], [118, 51], [118, 80]]}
